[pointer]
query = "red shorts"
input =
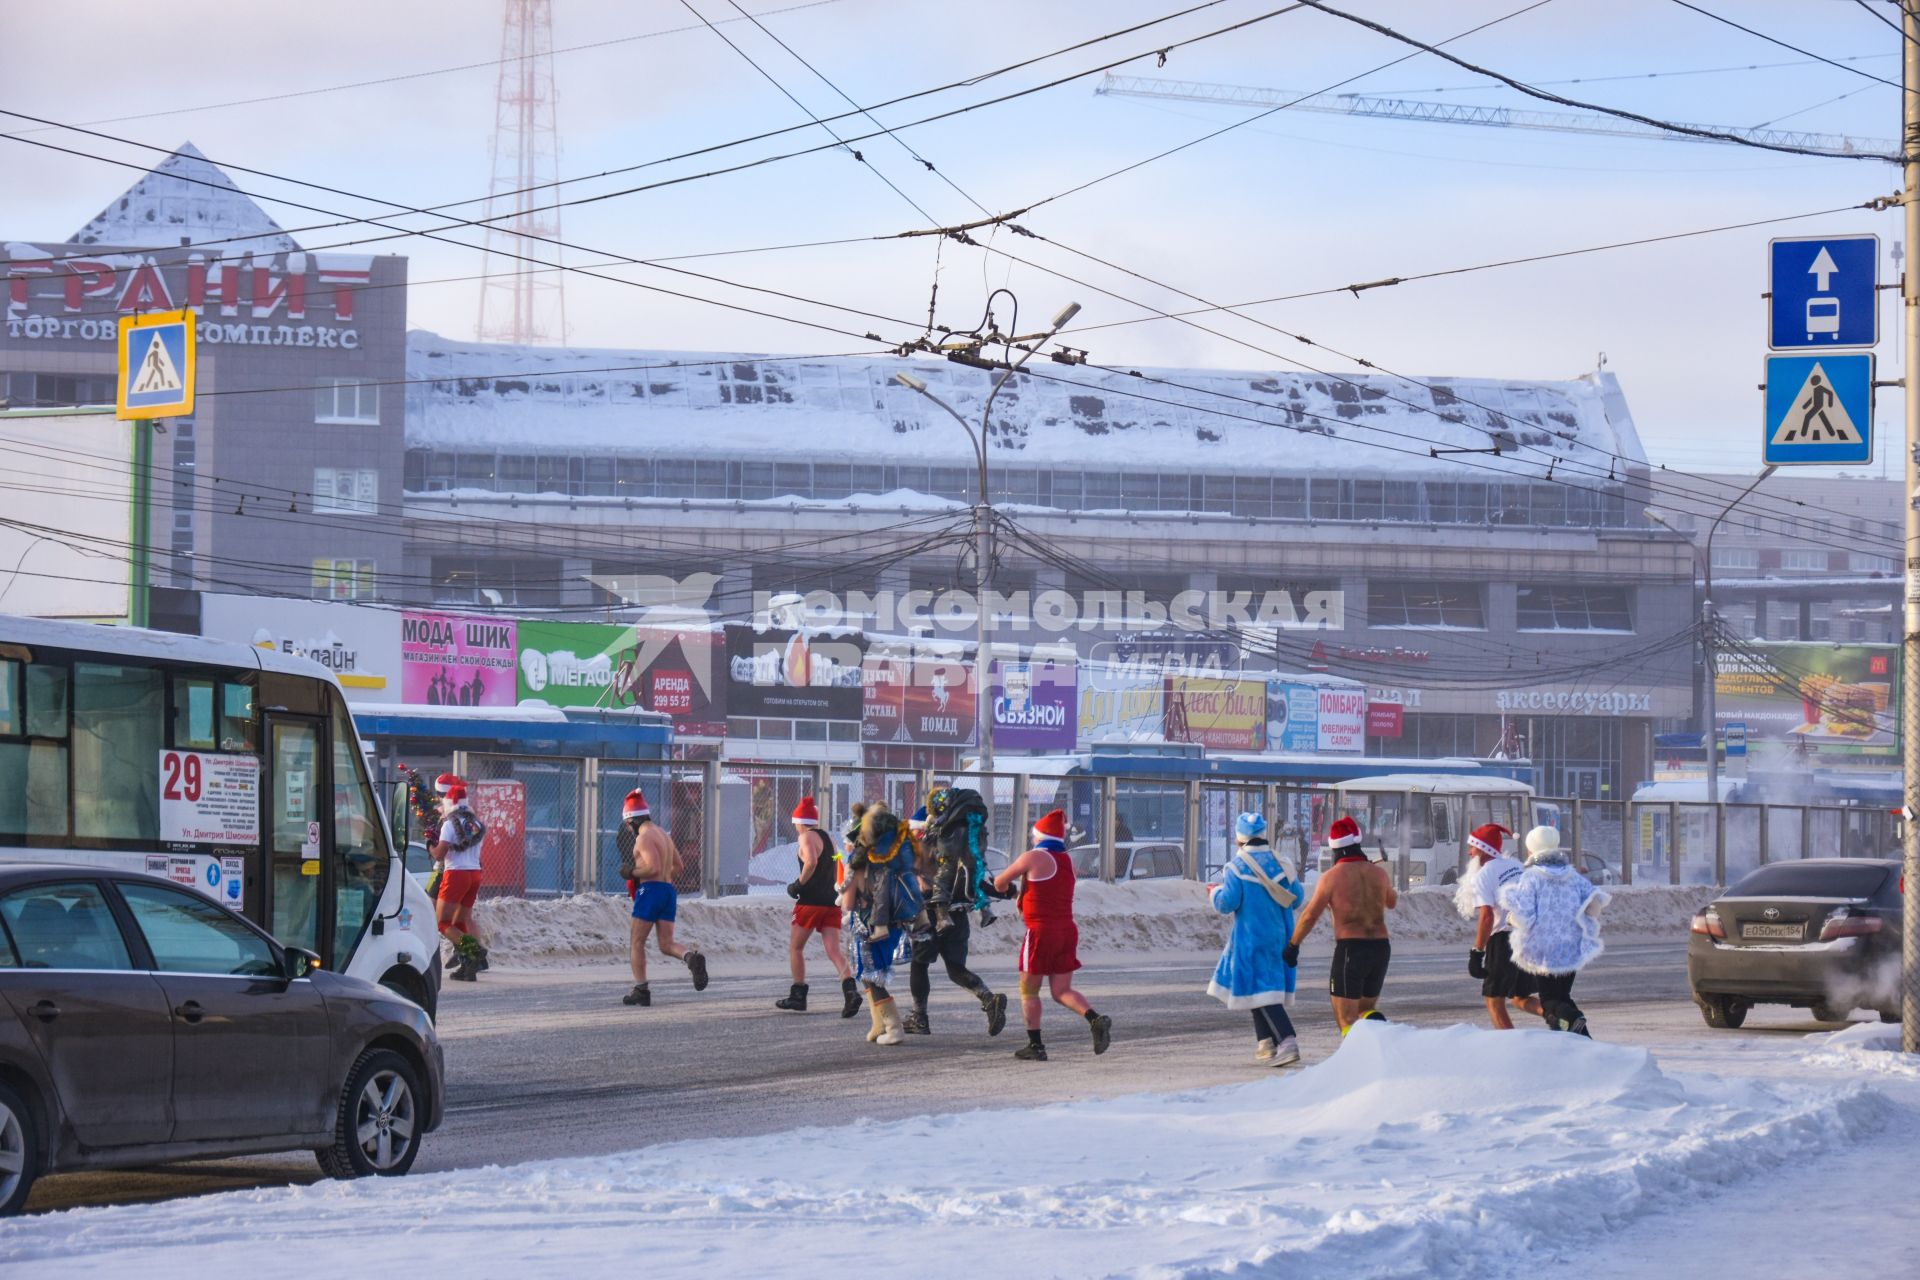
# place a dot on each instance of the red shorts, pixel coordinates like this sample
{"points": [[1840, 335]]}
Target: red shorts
{"points": [[805, 917], [461, 887], [1053, 947]]}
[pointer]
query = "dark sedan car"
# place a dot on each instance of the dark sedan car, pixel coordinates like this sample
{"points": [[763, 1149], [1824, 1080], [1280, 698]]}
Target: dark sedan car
{"points": [[141, 1023], [1823, 934]]}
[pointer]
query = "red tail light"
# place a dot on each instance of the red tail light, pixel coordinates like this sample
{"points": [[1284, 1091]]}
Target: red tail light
{"points": [[1843, 924], [1708, 923]]}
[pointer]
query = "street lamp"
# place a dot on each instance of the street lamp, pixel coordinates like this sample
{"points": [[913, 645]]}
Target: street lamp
{"points": [[1710, 737], [983, 521]]}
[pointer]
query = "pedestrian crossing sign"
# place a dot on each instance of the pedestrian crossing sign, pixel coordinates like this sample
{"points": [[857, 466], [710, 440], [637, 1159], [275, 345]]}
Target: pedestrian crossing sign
{"points": [[156, 365], [1819, 410]]}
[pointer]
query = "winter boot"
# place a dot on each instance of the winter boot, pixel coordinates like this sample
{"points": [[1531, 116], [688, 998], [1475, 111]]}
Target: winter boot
{"points": [[468, 951], [1102, 1027], [482, 966], [873, 1013], [697, 966], [1579, 1027], [453, 959], [639, 995], [1033, 1051], [849, 997], [915, 1023], [796, 1001], [996, 1007], [463, 970], [890, 1032], [1263, 1053], [1286, 1053]]}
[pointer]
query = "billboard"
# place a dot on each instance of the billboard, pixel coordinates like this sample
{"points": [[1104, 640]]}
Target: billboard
{"points": [[918, 700], [597, 664], [1119, 705], [1035, 705], [361, 646], [1317, 717], [454, 660], [794, 674], [1227, 714], [62, 546], [1824, 698]]}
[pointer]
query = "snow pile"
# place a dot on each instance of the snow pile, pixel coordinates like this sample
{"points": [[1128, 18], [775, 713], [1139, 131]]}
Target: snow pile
{"points": [[1864, 1046], [1141, 917], [1411, 1152]]}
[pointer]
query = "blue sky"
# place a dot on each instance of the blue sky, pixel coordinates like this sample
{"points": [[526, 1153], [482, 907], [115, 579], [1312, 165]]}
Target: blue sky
{"points": [[1296, 202]]}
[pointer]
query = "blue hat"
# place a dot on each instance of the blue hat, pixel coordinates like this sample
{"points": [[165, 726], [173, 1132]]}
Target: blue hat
{"points": [[1249, 826], [918, 822]]}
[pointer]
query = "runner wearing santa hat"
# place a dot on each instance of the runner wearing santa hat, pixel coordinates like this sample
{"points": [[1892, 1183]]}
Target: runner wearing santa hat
{"points": [[457, 849], [1051, 949], [1477, 898], [816, 909], [650, 862], [1359, 893]]}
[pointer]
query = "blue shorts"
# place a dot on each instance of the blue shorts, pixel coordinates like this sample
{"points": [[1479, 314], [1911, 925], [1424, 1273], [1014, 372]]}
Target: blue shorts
{"points": [[657, 902]]}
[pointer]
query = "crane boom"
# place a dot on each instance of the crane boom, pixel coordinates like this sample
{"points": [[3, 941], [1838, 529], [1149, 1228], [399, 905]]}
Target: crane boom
{"points": [[1355, 104]]}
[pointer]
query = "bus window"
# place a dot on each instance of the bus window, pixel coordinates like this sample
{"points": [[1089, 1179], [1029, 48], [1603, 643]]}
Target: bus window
{"points": [[236, 717], [193, 713], [46, 701], [295, 817], [118, 718], [360, 859], [11, 718], [33, 751]]}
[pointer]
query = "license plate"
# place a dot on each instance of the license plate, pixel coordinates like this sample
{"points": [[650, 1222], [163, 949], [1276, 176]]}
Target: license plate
{"points": [[1773, 932]]}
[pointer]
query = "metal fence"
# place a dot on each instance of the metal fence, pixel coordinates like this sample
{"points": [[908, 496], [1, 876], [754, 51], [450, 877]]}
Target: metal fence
{"points": [[551, 823]]}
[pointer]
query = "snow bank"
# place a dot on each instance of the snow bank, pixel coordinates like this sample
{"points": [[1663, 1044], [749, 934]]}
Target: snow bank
{"points": [[1137, 918], [1410, 1152], [1864, 1046]]}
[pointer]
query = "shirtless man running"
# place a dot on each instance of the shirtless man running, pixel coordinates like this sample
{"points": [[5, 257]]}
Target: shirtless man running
{"points": [[1360, 893], [655, 901]]}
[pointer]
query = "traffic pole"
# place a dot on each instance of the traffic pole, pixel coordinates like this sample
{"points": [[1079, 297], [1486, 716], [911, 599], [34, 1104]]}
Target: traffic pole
{"points": [[1910, 639]]}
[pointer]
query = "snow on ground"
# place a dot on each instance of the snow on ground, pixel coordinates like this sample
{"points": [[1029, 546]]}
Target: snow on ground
{"points": [[1864, 1046], [1410, 1152], [1143, 917]]}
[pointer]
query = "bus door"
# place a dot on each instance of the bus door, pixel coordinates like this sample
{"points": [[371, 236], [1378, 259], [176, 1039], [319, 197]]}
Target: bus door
{"points": [[299, 803]]}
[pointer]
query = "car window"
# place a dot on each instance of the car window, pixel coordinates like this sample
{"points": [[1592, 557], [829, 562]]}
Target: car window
{"points": [[9, 958], [64, 926], [188, 934], [1167, 862], [1798, 880], [1086, 860]]}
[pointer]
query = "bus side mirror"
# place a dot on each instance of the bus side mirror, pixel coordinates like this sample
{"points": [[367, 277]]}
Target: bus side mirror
{"points": [[399, 815]]}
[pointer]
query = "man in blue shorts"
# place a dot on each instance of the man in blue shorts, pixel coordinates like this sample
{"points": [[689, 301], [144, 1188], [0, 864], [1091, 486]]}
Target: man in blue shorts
{"points": [[655, 861]]}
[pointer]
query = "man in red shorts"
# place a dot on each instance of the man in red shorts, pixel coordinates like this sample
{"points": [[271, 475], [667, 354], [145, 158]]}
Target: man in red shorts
{"points": [[458, 851], [816, 910], [1051, 948]]}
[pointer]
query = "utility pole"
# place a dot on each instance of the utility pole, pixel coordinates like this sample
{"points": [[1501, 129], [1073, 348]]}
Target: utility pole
{"points": [[1910, 640]]}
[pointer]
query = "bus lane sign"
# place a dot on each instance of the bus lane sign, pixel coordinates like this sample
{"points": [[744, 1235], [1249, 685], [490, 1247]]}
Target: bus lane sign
{"points": [[206, 798]]}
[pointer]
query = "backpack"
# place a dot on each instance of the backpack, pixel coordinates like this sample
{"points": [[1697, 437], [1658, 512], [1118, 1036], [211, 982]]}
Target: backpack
{"points": [[468, 830], [960, 845]]}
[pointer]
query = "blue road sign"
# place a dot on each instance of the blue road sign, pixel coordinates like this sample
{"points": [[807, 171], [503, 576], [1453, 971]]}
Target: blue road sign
{"points": [[1736, 737], [1822, 292], [1819, 409]]}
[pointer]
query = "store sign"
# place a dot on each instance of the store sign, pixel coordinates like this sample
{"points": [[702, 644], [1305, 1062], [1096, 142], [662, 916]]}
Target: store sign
{"points": [[1394, 655], [1386, 720], [266, 300], [1034, 705], [1230, 715], [594, 664], [1314, 718], [455, 660], [1817, 698], [209, 799], [360, 646], [801, 675], [1117, 706], [1575, 702]]}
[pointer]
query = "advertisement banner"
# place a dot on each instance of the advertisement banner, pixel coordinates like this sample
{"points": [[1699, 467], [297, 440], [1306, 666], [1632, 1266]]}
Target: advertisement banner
{"points": [[1386, 720], [1118, 705], [361, 646], [456, 660], [884, 710], [597, 664], [1230, 715], [1821, 698], [209, 799], [794, 674], [1035, 705], [919, 701], [1317, 717]]}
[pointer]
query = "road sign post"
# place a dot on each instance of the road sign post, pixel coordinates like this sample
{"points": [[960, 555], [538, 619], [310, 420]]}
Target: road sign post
{"points": [[1819, 409], [1910, 637]]}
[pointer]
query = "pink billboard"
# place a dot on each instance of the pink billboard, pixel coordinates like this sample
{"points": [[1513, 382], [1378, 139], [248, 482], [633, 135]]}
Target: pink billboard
{"points": [[456, 660]]}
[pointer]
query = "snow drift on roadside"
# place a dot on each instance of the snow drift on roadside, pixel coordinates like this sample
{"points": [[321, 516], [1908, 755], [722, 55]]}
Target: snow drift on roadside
{"points": [[1140, 917], [1864, 1046], [1408, 1153]]}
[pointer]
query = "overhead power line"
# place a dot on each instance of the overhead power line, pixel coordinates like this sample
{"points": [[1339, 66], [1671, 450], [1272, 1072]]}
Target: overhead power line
{"points": [[1774, 40]]}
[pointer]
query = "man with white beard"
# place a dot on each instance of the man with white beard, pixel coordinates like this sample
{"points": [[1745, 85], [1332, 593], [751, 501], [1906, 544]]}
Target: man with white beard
{"points": [[1478, 899]]}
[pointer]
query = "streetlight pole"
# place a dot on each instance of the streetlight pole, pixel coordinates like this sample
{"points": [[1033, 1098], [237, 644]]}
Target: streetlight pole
{"points": [[1709, 655], [983, 526]]}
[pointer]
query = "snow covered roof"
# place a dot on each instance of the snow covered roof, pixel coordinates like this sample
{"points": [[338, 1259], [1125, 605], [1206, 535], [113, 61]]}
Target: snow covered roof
{"points": [[173, 203], [723, 405]]}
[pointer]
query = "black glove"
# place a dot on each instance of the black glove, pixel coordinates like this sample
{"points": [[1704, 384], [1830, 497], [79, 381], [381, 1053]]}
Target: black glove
{"points": [[793, 891], [1476, 963], [1291, 954]]}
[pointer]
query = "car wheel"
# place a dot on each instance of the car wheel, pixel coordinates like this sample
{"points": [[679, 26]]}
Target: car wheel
{"points": [[377, 1130], [1723, 1013], [1829, 1013], [19, 1152]]}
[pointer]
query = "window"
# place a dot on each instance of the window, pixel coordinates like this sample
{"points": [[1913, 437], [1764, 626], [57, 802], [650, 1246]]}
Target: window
{"points": [[33, 750], [1803, 561], [346, 489], [56, 390], [1554, 608], [212, 715], [63, 926], [360, 863], [343, 579], [119, 714], [1434, 605], [188, 934], [346, 400], [1736, 559], [1857, 563]]}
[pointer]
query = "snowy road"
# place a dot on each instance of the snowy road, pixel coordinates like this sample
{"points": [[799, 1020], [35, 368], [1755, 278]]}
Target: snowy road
{"points": [[547, 1063]]}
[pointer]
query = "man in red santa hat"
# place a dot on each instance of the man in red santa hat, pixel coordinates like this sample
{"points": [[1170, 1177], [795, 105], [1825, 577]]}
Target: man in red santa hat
{"points": [[1051, 949], [816, 909], [1490, 869], [1359, 893]]}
